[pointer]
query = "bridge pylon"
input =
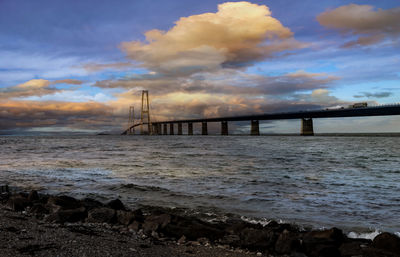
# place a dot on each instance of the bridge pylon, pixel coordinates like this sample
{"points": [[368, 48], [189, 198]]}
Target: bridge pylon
{"points": [[131, 121], [145, 114]]}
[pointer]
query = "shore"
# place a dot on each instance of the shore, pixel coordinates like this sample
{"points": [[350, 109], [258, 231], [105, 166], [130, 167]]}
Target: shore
{"points": [[33, 224]]}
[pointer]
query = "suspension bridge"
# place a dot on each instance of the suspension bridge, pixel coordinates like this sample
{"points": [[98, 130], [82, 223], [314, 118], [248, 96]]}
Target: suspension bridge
{"points": [[306, 118]]}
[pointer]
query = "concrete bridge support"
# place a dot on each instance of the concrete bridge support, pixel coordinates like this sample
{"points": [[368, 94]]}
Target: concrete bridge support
{"points": [[224, 128], [307, 127], [179, 128], [171, 128], [159, 131], [165, 130], [255, 128], [155, 129], [204, 130], [190, 128]]}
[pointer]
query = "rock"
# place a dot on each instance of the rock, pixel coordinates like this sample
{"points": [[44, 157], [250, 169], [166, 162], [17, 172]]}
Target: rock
{"points": [[101, 215], [90, 204], [138, 215], [388, 242], [154, 222], [62, 202], [39, 209], [323, 242], [33, 196], [256, 239], [333, 235], [191, 228], [135, 226], [125, 217], [18, 203], [69, 215], [233, 240], [287, 242], [353, 247], [116, 205]]}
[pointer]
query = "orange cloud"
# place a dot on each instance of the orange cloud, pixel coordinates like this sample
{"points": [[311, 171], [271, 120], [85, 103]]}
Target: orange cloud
{"points": [[93, 67], [370, 24], [35, 87], [15, 114], [238, 34]]}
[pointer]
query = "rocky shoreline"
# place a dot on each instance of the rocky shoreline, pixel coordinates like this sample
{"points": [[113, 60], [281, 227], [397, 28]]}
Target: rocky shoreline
{"points": [[33, 224]]}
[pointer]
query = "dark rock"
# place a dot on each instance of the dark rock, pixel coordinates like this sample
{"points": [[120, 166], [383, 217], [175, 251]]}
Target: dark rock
{"points": [[39, 209], [388, 242], [325, 251], [375, 252], [154, 222], [287, 242], [125, 217], [90, 204], [353, 247], [135, 226], [323, 242], [231, 239], [116, 205], [62, 202], [191, 228], [18, 203], [101, 215], [33, 196], [333, 235], [69, 215], [138, 215], [256, 239]]}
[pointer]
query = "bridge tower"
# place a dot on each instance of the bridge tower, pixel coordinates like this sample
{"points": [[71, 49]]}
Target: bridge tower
{"points": [[131, 122], [145, 113]]}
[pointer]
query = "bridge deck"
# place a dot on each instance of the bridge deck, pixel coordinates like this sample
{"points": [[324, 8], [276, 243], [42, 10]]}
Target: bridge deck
{"points": [[335, 113]]}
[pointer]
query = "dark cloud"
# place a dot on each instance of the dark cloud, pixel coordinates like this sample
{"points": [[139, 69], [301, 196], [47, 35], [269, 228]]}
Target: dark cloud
{"points": [[374, 95], [369, 24]]}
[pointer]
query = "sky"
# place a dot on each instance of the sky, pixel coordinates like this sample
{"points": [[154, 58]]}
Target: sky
{"points": [[78, 65]]}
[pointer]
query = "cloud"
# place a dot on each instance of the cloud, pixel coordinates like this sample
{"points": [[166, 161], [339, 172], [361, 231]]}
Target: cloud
{"points": [[239, 34], [68, 81], [374, 95], [26, 114], [226, 82], [369, 24], [94, 67], [35, 87]]}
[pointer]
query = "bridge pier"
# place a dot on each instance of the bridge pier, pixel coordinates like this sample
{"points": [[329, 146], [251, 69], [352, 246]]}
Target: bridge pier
{"points": [[224, 128], [307, 127], [159, 131], [179, 128], [171, 128], [204, 130], [154, 130], [190, 128], [255, 128], [165, 131]]}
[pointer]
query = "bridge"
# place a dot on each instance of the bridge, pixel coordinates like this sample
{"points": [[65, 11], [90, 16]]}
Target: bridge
{"points": [[306, 118]]}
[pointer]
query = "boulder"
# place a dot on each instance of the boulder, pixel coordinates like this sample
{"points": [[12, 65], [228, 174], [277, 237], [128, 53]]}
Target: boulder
{"points": [[323, 243], [90, 204], [18, 203], [258, 239], [69, 215], [116, 205], [387, 242], [101, 215], [125, 217], [39, 209], [62, 202], [154, 222], [33, 196], [288, 242]]}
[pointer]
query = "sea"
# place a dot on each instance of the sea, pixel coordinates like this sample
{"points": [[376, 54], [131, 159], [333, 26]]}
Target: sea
{"points": [[349, 182]]}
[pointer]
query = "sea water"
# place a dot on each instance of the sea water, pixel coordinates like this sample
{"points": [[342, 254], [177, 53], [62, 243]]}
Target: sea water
{"points": [[349, 182]]}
